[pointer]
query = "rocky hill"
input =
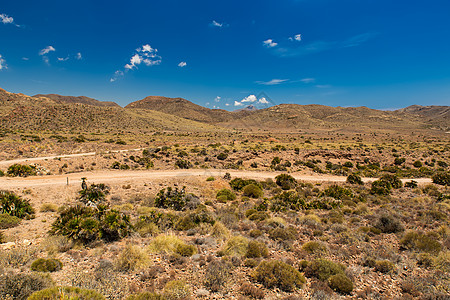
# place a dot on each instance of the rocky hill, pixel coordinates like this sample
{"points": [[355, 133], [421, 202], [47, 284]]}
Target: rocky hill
{"points": [[79, 99]]}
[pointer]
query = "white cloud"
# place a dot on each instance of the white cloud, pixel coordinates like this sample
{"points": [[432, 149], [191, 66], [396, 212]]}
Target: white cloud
{"points": [[272, 82], [63, 58], [217, 99], [25, 58], [269, 43], [79, 56], [237, 103], [297, 37], [250, 99], [227, 104], [3, 65], [308, 80], [182, 64], [5, 19], [323, 86], [147, 55], [47, 50], [263, 101], [216, 24], [116, 76]]}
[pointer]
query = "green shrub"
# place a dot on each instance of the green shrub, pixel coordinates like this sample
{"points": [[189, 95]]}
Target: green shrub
{"points": [[225, 195], [131, 258], [63, 293], [211, 178], [276, 273], [380, 187], [314, 247], [285, 181], [94, 194], [414, 240], [2, 238], [171, 244], [441, 178], [183, 164], [172, 198], [8, 221], [176, 289], [411, 184], [253, 191], [21, 170], [219, 231], [354, 179], [338, 192], [340, 283], [146, 296], [236, 246], [442, 261], [87, 224], [46, 265], [323, 269], [252, 291], [388, 224], [14, 205], [20, 286], [256, 249], [395, 182], [283, 234], [384, 266], [238, 184], [48, 207], [222, 156]]}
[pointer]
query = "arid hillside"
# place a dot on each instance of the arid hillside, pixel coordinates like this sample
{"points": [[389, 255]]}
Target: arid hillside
{"points": [[79, 99]]}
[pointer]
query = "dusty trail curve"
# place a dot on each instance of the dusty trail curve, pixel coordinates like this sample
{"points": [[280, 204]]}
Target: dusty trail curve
{"points": [[115, 176]]}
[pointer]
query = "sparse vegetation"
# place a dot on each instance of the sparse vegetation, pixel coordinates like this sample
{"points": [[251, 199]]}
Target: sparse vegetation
{"points": [[46, 265], [276, 273]]}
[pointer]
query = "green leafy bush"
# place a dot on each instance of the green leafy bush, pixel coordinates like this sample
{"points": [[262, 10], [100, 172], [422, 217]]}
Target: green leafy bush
{"points": [[340, 283], [283, 234], [94, 194], [276, 273], [414, 240], [222, 156], [380, 187], [8, 221], [323, 269], [63, 293], [20, 286], [354, 179], [285, 181], [338, 192], [183, 164], [441, 178], [14, 205], [238, 184], [236, 246], [88, 224], [388, 224], [21, 170], [175, 199], [225, 195], [314, 247], [252, 191], [395, 182], [384, 266], [46, 265]]}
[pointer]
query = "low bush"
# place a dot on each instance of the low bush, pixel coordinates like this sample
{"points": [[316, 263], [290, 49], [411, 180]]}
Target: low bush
{"points": [[340, 283], [225, 195], [236, 246], [219, 231], [62, 293], [276, 273], [338, 192], [354, 179], [283, 234], [252, 190], [46, 265], [256, 249], [252, 291], [146, 296], [314, 247], [380, 187], [222, 156], [414, 240], [183, 164], [171, 244], [131, 258], [285, 181], [8, 221], [323, 269], [238, 184], [388, 224], [14, 205], [217, 274], [441, 178], [384, 266], [48, 207], [442, 261], [175, 199], [94, 194], [88, 224], [393, 180], [21, 170], [20, 286], [176, 289]]}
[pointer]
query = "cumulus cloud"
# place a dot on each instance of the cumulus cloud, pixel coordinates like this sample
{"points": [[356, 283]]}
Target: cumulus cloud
{"points": [[47, 50], [263, 100], [182, 64], [217, 99], [249, 99], [3, 65], [63, 58], [237, 103], [269, 43], [144, 55], [116, 76], [79, 56], [5, 19], [252, 99], [297, 37], [272, 82]]}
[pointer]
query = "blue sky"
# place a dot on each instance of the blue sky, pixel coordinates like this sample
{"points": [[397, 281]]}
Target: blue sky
{"points": [[382, 54]]}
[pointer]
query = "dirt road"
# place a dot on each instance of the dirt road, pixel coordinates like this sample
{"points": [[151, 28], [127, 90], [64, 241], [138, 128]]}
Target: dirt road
{"points": [[117, 176]]}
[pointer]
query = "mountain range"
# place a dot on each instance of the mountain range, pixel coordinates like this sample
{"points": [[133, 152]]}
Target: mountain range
{"points": [[154, 113]]}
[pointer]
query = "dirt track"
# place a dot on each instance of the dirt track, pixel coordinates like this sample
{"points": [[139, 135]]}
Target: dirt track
{"points": [[116, 176]]}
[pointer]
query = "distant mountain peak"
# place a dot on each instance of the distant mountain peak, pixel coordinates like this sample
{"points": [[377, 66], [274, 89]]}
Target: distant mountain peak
{"points": [[250, 107]]}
